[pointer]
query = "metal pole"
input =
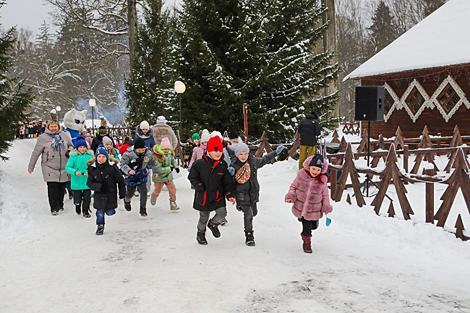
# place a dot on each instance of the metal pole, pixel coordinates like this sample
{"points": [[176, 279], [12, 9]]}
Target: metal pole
{"points": [[92, 122], [181, 120]]}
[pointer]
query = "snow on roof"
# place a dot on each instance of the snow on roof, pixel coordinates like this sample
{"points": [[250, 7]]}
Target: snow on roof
{"points": [[441, 39]]}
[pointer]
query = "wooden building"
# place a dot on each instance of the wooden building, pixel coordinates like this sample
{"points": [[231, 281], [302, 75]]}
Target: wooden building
{"points": [[426, 75]]}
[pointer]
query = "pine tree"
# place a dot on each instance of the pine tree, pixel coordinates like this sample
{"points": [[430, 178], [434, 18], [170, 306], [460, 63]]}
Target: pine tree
{"points": [[14, 99], [383, 29], [258, 52], [149, 89]]}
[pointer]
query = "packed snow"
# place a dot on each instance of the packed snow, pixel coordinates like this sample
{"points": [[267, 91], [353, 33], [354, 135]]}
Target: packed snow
{"points": [[361, 263]]}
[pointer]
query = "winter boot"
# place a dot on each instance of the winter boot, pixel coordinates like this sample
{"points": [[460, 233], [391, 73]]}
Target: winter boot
{"points": [[100, 230], [143, 211], [127, 206], [307, 243], [214, 229], [223, 221], [153, 200], [201, 238], [250, 239], [78, 209], [54, 212], [86, 212], [174, 206]]}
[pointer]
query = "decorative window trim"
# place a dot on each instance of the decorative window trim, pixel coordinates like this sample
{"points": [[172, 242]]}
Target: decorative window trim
{"points": [[430, 102]]}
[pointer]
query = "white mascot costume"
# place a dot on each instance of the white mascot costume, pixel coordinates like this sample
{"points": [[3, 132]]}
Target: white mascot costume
{"points": [[74, 122]]}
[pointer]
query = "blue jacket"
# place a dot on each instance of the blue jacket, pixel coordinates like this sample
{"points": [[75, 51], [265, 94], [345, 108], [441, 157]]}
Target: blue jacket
{"points": [[148, 138]]}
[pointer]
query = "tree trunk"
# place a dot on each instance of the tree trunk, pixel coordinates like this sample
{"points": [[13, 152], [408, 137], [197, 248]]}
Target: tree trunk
{"points": [[132, 20]]}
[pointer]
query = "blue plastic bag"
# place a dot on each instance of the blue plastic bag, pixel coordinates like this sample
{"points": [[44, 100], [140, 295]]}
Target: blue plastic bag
{"points": [[328, 221]]}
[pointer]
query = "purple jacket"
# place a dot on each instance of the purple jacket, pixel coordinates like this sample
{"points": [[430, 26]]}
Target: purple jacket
{"points": [[310, 197], [198, 152]]}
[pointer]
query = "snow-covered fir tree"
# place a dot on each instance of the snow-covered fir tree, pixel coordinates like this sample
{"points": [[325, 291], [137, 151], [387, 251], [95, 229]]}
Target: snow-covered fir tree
{"points": [[383, 29], [149, 89], [258, 52]]}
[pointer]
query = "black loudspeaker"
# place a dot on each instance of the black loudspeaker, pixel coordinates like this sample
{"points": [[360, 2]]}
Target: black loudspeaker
{"points": [[370, 103]]}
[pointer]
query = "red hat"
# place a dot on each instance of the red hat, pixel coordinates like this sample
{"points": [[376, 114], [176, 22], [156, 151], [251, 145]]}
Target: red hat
{"points": [[215, 144]]}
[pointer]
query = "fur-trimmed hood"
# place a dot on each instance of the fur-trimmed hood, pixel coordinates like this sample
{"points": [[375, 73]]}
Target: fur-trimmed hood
{"points": [[141, 134]]}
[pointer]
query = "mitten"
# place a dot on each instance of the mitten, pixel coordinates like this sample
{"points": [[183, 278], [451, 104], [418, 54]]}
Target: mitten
{"points": [[231, 170], [67, 154], [279, 149], [177, 169]]}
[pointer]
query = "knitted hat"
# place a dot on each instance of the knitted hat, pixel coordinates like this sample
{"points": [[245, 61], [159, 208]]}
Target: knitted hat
{"points": [[139, 143], [81, 142], [216, 133], [232, 133], [161, 119], [195, 136], [144, 125], [165, 144], [215, 144], [102, 150], [205, 136], [106, 139], [317, 161], [240, 148]]}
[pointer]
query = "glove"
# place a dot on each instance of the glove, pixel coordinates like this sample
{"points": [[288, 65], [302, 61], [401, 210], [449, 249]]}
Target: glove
{"points": [[104, 188], [177, 169], [189, 169], [67, 154], [231, 170], [279, 149]]}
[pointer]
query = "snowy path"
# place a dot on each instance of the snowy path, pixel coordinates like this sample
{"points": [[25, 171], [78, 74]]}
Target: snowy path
{"points": [[361, 263]]}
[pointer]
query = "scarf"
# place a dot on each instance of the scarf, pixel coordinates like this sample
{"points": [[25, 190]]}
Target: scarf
{"points": [[243, 174], [57, 141]]}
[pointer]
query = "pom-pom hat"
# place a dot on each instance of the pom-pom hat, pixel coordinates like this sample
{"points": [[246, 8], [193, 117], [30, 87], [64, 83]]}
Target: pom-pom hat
{"points": [[81, 142], [102, 150], [144, 125], [165, 144], [205, 136]]}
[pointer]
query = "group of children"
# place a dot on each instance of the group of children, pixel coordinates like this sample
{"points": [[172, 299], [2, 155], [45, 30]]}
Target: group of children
{"points": [[216, 174]]}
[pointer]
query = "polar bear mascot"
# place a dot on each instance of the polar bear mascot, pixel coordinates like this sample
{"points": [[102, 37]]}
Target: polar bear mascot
{"points": [[74, 122]]}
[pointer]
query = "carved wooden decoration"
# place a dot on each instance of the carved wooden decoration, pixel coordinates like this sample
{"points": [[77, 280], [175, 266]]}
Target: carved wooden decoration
{"points": [[295, 145], [364, 143], [458, 179], [390, 172], [348, 199], [380, 145], [455, 142], [335, 137], [349, 168], [399, 141], [425, 142], [459, 228], [264, 145], [391, 210]]}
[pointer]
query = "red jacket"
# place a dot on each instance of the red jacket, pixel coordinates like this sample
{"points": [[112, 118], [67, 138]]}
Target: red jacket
{"points": [[123, 148]]}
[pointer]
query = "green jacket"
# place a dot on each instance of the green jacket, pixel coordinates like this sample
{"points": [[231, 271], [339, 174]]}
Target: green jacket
{"points": [[164, 174], [77, 163]]}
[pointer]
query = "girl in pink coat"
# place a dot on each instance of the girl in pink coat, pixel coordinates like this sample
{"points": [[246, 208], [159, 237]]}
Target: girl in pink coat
{"points": [[309, 193]]}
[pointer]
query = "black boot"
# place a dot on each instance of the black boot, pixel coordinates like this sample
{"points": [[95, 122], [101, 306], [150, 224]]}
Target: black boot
{"points": [[143, 211], [201, 238], [86, 212], [250, 239], [78, 209], [100, 230], [214, 229], [127, 206]]}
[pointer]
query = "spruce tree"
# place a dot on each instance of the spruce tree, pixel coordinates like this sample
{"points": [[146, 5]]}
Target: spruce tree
{"points": [[14, 99], [149, 89], [258, 52], [383, 29]]}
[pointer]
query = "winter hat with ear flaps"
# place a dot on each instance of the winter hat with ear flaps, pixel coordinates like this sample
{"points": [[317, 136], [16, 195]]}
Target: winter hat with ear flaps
{"points": [[215, 144], [317, 161], [139, 143]]}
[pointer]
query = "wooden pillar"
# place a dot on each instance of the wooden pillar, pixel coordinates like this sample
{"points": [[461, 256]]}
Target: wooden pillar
{"points": [[333, 182], [429, 198]]}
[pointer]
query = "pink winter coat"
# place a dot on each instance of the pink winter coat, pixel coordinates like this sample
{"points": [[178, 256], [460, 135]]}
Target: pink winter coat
{"points": [[310, 197], [198, 152]]}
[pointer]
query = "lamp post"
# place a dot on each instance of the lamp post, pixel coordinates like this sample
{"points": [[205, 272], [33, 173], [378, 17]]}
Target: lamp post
{"points": [[180, 88], [92, 103], [58, 108]]}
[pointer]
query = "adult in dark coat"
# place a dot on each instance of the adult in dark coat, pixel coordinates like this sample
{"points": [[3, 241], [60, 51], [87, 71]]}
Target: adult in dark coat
{"points": [[103, 178], [98, 140], [212, 184], [309, 129]]}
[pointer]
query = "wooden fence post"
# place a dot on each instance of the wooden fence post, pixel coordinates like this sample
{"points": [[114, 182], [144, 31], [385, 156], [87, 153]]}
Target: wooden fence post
{"points": [[333, 181], [429, 197]]}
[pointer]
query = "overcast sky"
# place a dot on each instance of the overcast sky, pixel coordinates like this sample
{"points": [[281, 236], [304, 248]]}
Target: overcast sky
{"points": [[30, 13]]}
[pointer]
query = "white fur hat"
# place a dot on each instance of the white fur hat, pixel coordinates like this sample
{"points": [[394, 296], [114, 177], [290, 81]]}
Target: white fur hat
{"points": [[161, 119], [144, 125], [205, 136], [216, 133]]}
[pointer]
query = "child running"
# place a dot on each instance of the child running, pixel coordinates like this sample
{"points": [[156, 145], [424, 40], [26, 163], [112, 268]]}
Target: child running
{"points": [[78, 169], [212, 183], [247, 187], [134, 165], [102, 178], [165, 158], [112, 152], [309, 194]]}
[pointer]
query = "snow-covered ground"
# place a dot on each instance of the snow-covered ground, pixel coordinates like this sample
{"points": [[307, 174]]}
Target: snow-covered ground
{"points": [[361, 263]]}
